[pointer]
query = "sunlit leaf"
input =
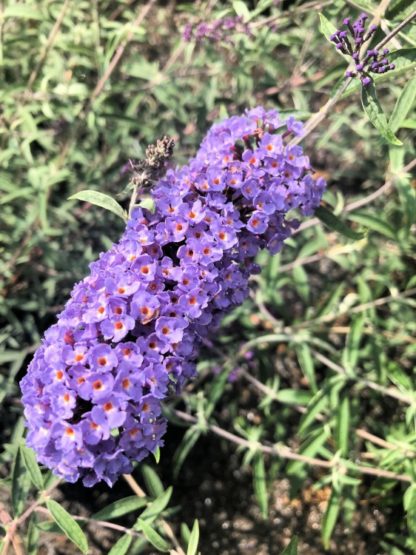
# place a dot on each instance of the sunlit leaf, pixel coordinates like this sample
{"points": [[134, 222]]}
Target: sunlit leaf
{"points": [[29, 460], [193, 540], [68, 525], [153, 537], [122, 546], [374, 111], [121, 507], [102, 200], [260, 485]]}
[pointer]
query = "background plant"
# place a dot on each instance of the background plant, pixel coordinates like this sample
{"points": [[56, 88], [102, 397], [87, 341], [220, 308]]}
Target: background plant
{"points": [[313, 378]]}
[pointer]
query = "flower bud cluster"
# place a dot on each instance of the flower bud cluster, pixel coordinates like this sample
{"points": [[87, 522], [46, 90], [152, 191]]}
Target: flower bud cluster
{"points": [[219, 30], [350, 40], [129, 334]]}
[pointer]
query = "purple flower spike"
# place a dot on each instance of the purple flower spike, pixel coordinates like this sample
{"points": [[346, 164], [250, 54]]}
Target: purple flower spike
{"points": [[350, 42], [216, 31], [130, 333]]}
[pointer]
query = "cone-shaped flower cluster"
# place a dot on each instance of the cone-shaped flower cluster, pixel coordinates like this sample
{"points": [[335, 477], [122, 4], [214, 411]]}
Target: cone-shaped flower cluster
{"points": [[129, 334], [350, 40]]}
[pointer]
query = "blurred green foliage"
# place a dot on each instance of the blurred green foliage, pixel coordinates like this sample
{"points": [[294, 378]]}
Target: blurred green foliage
{"points": [[325, 347]]}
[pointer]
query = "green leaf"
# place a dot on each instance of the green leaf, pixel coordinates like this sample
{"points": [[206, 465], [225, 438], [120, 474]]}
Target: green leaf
{"points": [[241, 9], [23, 12], [376, 115], [311, 447], [49, 526], [326, 27], [31, 464], [334, 223], [351, 352], [409, 503], [20, 484], [403, 105], [148, 203], [156, 455], [330, 518], [100, 199], [153, 483], [122, 546], [292, 548], [316, 405], [121, 507], [68, 525], [32, 536], [301, 282], [260, 486], [374, 223], [153, 537], [193, 540], [293, 396], [158, 505], [343, 424], [185, 532], [306, 363], [188, 441]]}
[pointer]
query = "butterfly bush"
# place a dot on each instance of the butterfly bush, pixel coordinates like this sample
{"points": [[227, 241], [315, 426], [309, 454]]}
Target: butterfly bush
{"points": [[128, 336], [350, 39]]}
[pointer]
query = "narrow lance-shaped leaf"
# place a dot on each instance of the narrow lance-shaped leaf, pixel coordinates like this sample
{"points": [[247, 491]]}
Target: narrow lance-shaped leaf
{"points": [[20, 484], [241, 9], [68, 525], [307, 365], [158, 505], [292, 548], [403, 105], [32, 536], [343, 424], [156, 455], [334, 223], [193, 540], [153, 483], [30, 462], [153, 537], [375, 223], [22, 12], [102, 200], [326, 27], [122, 546], [121, 507], [189, 439], [260, 486], [374, 111], [350, 355], [185, 532], [330, 518], [409, 503]]}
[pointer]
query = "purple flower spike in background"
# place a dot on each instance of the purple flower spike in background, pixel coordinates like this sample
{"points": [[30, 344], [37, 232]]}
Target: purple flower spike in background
{"points": [[131, 330], [219, 30], [350, 40]]}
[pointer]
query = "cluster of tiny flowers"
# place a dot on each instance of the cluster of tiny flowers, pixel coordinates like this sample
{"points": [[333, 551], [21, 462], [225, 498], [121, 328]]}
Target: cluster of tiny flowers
{"points": [[129, 335], [220, 30], [350, 40]]}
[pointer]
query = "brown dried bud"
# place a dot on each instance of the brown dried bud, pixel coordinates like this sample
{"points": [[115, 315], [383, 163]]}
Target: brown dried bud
{"points": [[149, 170]]}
